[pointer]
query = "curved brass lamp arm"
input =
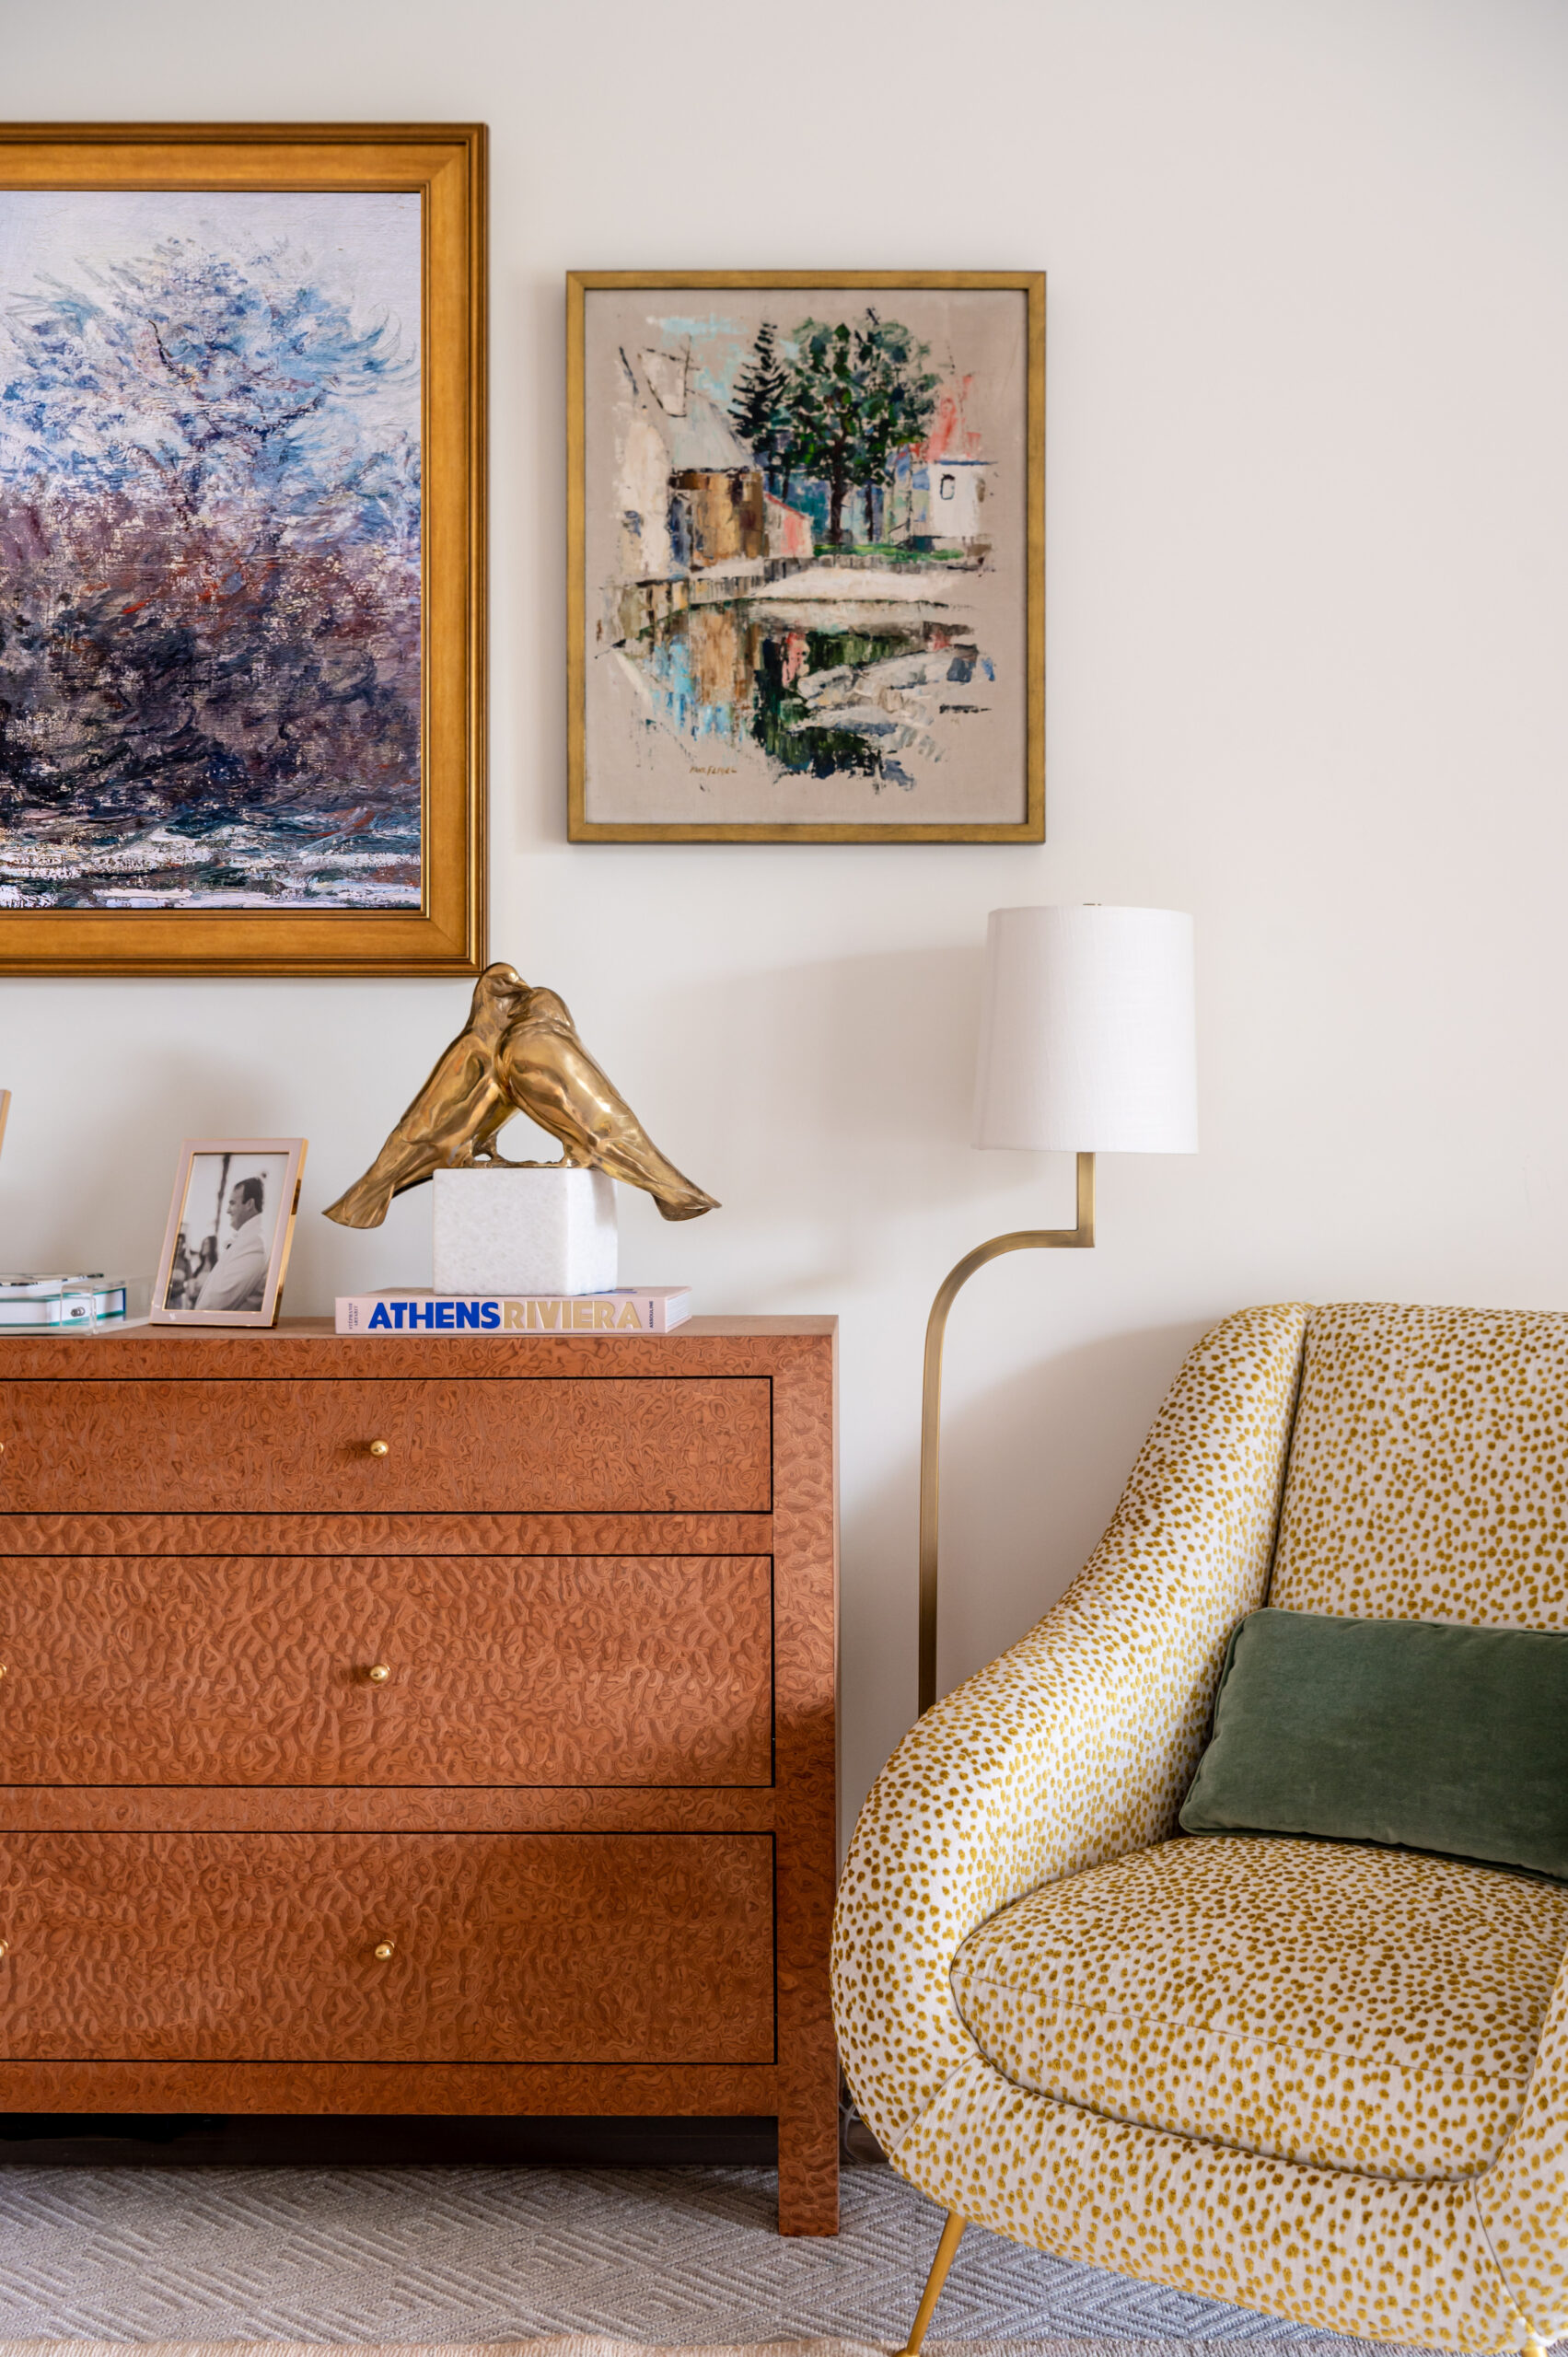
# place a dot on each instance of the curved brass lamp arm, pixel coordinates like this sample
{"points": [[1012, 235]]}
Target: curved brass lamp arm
{"points": [[1024, 1239]]}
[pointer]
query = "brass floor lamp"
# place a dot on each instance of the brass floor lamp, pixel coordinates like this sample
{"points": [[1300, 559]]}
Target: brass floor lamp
{"points": [[1087, 1046]]}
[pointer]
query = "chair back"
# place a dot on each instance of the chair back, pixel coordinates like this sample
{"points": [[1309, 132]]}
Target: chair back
{"points": [[1428, 1469]]}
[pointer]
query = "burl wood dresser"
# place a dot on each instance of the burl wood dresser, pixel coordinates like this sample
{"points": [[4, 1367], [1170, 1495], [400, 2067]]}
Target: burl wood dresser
{"points": [[422, 1723]]}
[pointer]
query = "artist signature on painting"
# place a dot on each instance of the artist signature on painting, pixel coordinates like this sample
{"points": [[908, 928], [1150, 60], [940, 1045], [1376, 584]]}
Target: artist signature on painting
{"points": [[703, 769]]}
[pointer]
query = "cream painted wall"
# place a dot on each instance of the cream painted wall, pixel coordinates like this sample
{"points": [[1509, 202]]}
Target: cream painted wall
{"points": [[1308, 600]]}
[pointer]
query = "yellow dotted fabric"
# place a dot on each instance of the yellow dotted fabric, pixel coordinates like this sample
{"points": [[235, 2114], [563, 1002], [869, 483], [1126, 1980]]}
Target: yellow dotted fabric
{"points": [[1366, 2256], [1429, 1468], [1078, 1745], [1073, 1750], [1350, 2007]]}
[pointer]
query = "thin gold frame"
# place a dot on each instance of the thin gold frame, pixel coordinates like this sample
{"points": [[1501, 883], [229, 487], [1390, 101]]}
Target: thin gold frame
{"points": [[283, 1234], [1030, 828], [446, 164]]}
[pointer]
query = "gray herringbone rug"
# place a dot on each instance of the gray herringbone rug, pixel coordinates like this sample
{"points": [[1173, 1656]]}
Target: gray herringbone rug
{"points": [[463, 2253]]}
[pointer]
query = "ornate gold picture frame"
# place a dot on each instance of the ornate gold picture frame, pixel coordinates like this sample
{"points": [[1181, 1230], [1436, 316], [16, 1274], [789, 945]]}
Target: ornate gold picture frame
{"points": [[807, 532], [242, 417]]}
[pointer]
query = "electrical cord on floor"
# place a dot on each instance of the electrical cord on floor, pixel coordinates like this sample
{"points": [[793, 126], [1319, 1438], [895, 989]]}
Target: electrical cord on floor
{"points": [[855, 2141]]}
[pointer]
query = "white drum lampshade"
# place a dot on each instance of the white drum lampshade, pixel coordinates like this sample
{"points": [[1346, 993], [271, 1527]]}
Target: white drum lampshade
{"points": [[1088, 1038]]}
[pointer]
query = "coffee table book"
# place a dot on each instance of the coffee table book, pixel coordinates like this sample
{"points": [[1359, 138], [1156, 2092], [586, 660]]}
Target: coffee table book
{"points": [[626, 1309]]}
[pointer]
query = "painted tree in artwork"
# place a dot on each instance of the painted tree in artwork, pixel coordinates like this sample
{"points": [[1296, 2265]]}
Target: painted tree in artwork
{"points": [[216, 382], [210, 532], [857, 394], [760, 409]]}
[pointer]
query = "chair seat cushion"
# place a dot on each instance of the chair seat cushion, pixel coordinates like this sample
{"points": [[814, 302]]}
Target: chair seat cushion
{"points": [[1318, 2001]]}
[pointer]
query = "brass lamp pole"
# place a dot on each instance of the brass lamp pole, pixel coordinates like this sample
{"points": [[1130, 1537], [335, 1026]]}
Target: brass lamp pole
{"points": [[1079, 1238]]}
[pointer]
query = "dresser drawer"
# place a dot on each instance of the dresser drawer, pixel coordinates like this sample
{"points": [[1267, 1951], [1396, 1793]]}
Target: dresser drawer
{"points": [[506, 1947], [235, 1669], [531, 1444]]}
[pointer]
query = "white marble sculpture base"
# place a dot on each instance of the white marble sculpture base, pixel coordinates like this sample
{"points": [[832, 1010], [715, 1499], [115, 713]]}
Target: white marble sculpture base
{"points": [[526, 1231]]}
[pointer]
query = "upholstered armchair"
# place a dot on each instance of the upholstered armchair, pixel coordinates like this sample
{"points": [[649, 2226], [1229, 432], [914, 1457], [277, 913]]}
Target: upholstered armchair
{"points": [[1319, 2078]]}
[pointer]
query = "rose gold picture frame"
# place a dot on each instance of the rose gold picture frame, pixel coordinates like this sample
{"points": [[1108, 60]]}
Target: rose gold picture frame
{"points": [[230, 1227], [766, 643], [111, 221]]}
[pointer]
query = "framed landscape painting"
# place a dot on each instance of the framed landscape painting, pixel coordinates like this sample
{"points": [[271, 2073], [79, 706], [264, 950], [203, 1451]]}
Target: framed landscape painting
{"points": [[242, 374], [806, 531]]}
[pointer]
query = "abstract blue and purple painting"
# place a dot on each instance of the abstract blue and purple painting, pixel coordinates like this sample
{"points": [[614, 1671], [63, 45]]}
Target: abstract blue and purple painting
{"points": [[210, 580]]}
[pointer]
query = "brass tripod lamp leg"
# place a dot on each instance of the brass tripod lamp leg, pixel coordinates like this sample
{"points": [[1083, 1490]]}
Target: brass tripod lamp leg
{"points": [[946, 2251]]}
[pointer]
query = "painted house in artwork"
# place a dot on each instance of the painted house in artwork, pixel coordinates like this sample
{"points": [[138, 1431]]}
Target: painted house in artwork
{"points": [[937, 502], [937, 497], [693, 497], [789, 531]]}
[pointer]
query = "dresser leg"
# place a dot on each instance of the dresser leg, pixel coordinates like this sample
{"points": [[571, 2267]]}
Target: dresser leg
{"points": [[809, 2170]]}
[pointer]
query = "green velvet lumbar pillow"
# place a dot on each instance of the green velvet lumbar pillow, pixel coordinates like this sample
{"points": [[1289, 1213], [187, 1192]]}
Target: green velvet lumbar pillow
{"points": [[1406, 1732]]}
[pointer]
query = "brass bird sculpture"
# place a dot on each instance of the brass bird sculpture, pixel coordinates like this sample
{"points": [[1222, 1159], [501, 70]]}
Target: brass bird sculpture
{"points": [[518, 1052]]}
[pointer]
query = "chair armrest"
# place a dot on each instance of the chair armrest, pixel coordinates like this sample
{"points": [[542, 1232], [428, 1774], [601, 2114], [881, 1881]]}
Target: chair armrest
{"points": [[1078, 1744]]}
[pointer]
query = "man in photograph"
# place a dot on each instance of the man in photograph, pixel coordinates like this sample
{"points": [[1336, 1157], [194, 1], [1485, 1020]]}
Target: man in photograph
{"points": [[238, 1278]]}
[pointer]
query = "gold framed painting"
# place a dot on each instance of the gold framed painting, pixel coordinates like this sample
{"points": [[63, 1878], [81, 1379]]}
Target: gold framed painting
{"points": [[807, 533], [242, 388], [230, 1228]]}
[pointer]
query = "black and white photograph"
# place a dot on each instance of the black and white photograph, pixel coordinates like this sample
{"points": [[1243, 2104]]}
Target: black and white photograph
{"points": [[226, 1249]]}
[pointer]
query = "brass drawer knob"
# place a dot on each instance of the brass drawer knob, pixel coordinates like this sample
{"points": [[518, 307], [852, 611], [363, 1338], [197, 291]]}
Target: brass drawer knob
{"points": [[377, 1448], [5, 1947], [383, 1950], [378, 1673]]}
